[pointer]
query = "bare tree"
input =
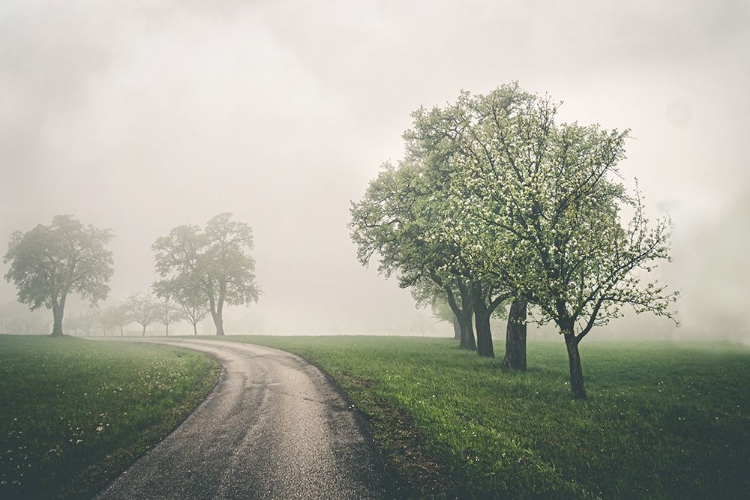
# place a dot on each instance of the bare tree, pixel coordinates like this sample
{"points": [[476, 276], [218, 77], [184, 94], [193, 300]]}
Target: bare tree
{"points": [[118, 315], [194, 309], [143, 309], [88, 319], [167, 313]]}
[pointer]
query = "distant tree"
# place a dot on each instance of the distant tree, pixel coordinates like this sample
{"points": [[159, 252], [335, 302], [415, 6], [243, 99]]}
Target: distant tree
{"points": [[73, 322], [213, 262], [15, 318], [427, 293], [35, 324], [89, 318], [49, 262], [106, 321], [442, 311], [143, 309], [167, 313], [117, 315], [194, 309]]}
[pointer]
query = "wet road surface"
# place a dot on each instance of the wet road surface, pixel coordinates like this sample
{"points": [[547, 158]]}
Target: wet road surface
{"points": [[273, 427]]}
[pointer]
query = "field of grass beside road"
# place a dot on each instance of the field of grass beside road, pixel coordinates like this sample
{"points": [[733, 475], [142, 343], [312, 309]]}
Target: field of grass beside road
{"points": [[76, 413], [662, 420]]}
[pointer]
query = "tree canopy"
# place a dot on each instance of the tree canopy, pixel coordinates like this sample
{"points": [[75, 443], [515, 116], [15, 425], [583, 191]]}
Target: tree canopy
{"points": [[495, 191], [49, 262], [392, 222], [538, 204], [399, 217], [213, 263]]}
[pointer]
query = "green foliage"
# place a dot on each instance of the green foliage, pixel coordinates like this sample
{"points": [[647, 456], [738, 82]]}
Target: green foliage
{"points": [[392, 221], [48, 262], [538, 203], [210, 266], [495, 195], [663, 420], [76, 413]]}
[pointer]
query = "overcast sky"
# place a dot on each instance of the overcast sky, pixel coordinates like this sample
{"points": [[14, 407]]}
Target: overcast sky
{"points": [[141, 116]]}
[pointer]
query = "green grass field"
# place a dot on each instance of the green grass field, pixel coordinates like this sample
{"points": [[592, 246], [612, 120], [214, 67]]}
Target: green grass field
{"points": [[76, 413], [662, 420]]}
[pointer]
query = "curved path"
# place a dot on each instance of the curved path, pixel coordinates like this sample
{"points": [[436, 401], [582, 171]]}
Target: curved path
{"points": [[273, 427]]}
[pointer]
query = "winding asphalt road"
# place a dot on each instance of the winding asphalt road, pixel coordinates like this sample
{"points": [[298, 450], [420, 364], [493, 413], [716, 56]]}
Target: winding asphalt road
{"points": [[273, 427]]}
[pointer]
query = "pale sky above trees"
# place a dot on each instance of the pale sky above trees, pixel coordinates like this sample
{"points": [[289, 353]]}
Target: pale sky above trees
{"points": [[143, 117]]}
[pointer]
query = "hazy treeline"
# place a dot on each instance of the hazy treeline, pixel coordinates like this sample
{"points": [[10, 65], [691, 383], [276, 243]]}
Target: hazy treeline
{"points": [[200, 269]]}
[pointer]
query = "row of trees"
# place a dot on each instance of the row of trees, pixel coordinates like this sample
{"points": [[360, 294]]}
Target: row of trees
{"points": [[495, 202], [200, 270], [16, 318], [143, 309]]}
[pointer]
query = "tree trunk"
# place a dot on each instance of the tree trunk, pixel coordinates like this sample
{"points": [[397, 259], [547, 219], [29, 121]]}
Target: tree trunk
{"points": [[515, 336], [467, 332], [217, 315], [166, 326], [219, 322], [462, 314], [576, 372], [456, 328], [195, 329], [57, 314], [144, 331], [122, 332], [484, 333]]}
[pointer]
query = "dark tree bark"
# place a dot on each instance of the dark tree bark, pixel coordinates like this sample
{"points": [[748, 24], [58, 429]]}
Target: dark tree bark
{"points": [[482, 316], [219, 322], [57, 314], [574, 360], [484, 307], [456, 328], [515, 336], [216, 308], [463, 313], [467, 331]]}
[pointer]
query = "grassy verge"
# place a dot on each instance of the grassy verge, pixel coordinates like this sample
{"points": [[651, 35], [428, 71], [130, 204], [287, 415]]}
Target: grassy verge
{"points": [[663, 420], [74, 413]]}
